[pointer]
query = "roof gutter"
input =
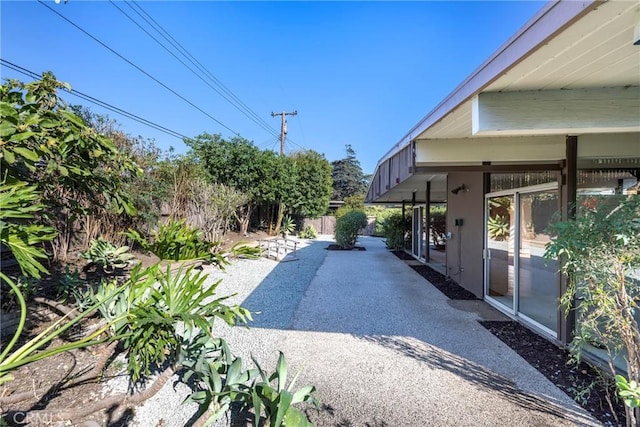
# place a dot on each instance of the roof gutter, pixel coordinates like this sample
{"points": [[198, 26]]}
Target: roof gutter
{"points": [[552, 19]]}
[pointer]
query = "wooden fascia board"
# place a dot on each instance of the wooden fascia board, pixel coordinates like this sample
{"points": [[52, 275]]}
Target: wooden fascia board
{"points": [[600, 110], [490, 168]]}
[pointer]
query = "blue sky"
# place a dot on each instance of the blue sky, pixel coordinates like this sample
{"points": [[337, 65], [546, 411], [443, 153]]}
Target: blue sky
{"points": [[359, 73]]}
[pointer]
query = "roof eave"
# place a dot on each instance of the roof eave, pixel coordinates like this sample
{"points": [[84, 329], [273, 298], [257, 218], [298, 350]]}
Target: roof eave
{"points": [[554, 17]]}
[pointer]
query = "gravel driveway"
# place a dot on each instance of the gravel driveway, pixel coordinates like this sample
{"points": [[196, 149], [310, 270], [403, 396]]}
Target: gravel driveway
{"points": [[382, 346]]}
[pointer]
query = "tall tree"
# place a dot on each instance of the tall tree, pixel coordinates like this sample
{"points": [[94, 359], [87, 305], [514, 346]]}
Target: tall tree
{"points": [[348, 178], [313, 184], [147, 191], [236, 163]]}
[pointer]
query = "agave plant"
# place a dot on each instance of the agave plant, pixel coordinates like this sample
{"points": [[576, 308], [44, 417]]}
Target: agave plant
{"points": [[309, 232], [288, 226], [106, 256]]}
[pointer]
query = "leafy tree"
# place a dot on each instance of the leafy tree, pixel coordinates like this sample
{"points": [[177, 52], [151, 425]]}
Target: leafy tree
{"points": [[74, 169], [313, 184], [347, 175], [351, 203], [276, 189], [235, 163], [297, 185], [148, 191]]}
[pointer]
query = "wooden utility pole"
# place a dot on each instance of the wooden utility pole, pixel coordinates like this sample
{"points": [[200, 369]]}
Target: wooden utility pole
{"points": [[283, 129], [283, 133]]}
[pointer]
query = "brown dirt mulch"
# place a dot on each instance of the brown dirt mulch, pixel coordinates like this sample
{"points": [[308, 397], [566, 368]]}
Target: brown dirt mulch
{"points": [[447, 286], [580, 382]]}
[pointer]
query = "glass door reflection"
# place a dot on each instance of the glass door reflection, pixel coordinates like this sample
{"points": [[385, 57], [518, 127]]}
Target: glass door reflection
{"points": [[500, 249]]}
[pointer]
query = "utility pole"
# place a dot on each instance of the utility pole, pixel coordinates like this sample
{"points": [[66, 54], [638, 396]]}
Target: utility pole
{"points": [[283, 129]]}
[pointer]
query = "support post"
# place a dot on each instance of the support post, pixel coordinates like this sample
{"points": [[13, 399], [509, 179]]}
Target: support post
{"points": [[569, 187]]}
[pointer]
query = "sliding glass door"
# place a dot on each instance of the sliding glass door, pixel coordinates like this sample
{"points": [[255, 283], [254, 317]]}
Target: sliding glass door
{"points": [[519, 280]]}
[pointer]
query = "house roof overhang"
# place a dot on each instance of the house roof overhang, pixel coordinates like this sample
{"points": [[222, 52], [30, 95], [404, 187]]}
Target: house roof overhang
{"points": [[572, 69]]}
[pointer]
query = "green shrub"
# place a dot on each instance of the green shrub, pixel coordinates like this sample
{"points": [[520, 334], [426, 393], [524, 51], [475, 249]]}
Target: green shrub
{"points": [[381, 215], [347, 228], [394, 229], [309, 232], [498, 227], [176, 241], [599, 252]]}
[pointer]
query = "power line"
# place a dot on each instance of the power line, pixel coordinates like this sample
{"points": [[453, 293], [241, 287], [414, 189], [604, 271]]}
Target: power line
{"points": [[297, 145], [228, 96], [138, 68], [100, 103], [167, 36], [125, 113], [194, 61]]}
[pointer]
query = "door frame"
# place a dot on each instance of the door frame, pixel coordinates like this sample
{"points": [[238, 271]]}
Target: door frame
{"points": [[514, 311], [417, 240]]}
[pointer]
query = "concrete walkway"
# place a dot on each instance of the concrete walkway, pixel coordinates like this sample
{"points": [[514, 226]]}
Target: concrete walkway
{"points": [[382, 346]]}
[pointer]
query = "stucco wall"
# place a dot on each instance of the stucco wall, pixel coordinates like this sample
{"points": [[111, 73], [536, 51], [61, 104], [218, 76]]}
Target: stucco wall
{"points": [[464, 249]]}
